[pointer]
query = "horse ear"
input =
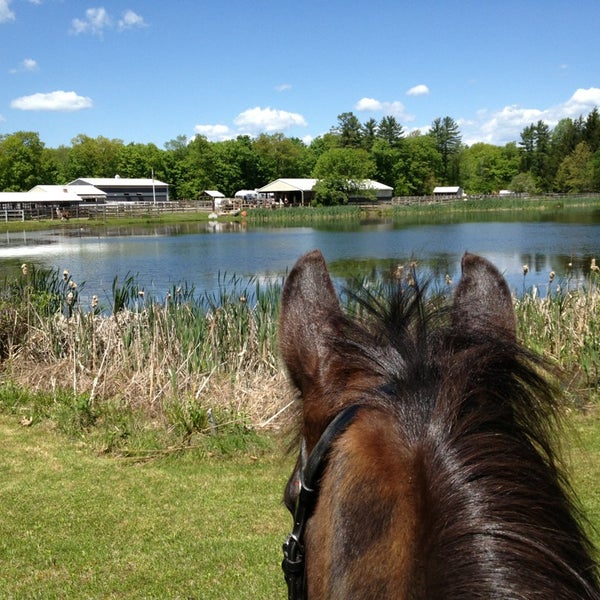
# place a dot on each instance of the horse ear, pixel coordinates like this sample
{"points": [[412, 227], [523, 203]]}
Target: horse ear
{"points": [[309, 309], [483, 300]]}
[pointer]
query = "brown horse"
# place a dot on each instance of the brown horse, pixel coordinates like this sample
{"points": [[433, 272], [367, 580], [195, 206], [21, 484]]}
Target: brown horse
{"points": [[428, 467]]}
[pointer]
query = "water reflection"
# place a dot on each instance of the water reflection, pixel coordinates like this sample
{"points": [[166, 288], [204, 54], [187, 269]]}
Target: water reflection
{"points": [[198, 254]]}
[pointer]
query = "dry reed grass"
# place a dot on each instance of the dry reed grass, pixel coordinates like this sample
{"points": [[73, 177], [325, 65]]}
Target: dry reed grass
{"points": [[222, 355]]}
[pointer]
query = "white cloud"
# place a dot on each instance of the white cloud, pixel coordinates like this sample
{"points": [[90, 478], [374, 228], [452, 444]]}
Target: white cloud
{"points": [[130, 20], [215, 133], [582, 101], [284, 87], [418, 90], [98, 20], [395, 108], [6, 14], [505, 125], [257, 119], [369, 104], [53, 101], [95, 22], [29, 64], [252, 121]]}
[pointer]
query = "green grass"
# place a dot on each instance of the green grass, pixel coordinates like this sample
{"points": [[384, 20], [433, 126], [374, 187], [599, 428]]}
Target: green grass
{"points": [[78, 525]]}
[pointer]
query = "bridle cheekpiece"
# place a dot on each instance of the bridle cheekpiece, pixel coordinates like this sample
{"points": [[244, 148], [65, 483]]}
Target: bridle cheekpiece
{"points": [[310, 472]]}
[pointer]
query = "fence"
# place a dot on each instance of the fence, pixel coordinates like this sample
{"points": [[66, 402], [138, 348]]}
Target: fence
{"points": [[12, 214]]}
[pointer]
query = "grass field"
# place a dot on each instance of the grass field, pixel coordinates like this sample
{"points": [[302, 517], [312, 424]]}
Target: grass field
{"points": [[192, 526], [79, 525]]}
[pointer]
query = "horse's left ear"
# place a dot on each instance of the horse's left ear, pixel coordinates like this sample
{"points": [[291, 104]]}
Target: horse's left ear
{"points": [[482, 300], [309, 310]]}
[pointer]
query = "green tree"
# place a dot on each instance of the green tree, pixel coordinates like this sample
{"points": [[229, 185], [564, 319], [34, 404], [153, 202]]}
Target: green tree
{"points": [[191, 167], [447, 138], [349, 131], [591, 130], [415, 173], [535, 149], [369, 133], [279, 156], [92, 157], [565, 137], [24, 162], [485, 168], [233, 166], [576, 172], [386, 159], [390, 130], [331, 191], [141, 160], [523, 183], [344, 163]]}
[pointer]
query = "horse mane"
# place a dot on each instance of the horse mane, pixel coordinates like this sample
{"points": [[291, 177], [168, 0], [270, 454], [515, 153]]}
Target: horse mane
{"points": [[481, 415]]}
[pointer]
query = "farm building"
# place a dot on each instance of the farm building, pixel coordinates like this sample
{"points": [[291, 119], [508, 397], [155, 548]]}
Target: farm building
{"points": [[122, 189], [40, 200], [83, 193], [448, 191], [301, 191]]}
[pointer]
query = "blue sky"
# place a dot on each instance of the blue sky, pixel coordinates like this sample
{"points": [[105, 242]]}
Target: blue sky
{"points": [[151, 70]]}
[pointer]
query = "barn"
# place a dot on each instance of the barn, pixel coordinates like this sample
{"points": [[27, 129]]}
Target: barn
{"points": [[123, 189]]}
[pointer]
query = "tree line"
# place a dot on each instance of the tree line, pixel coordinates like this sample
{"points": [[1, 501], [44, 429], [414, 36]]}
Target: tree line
{"points": [[565, 158]]}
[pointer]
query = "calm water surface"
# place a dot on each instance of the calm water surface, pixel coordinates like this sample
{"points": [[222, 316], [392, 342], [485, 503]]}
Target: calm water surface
{"points": [[200, 255]]}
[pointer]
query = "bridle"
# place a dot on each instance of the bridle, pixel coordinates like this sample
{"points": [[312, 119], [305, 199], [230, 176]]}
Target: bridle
{"points": [[310, 472]]}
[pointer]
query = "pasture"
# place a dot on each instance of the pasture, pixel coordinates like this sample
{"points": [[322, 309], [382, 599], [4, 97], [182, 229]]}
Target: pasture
{"points": [[77, 524]]}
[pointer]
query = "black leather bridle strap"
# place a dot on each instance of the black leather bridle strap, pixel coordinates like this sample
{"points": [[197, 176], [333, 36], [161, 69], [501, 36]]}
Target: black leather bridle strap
{"points": [[310, 474]]}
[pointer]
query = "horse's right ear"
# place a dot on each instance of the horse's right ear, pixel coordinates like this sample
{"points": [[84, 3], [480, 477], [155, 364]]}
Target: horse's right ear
{"points": [[482, 301], [309, 310]]}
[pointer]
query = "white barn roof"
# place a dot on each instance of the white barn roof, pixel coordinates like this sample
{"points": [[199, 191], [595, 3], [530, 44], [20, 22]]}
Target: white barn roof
{"points": [[447, 189], [214, 193], [77, 191], [289, 185], [120, 182]]}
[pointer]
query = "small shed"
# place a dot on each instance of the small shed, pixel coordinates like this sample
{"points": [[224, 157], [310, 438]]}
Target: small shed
{"points": [[215, 197], [448, 191]]}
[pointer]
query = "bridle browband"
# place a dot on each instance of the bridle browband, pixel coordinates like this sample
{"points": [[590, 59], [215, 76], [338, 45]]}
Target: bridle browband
{"points": [[311, 470]]}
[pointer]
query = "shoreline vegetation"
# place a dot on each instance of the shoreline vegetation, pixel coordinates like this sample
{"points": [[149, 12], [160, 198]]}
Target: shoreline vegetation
{"points": [[139, 378], [446, 209]]}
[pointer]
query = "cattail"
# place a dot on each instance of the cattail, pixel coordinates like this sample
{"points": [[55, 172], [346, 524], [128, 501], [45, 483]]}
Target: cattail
{"points": [[552, 276], [141, 293], [448, 279], [594, 268], [94, 301], [525, 269], [24, 269], [70, 298], [65, 275], [399, 272], [72, 285]]}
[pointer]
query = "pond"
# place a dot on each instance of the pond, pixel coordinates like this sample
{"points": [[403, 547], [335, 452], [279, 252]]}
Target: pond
{"points": [[203, 254]]}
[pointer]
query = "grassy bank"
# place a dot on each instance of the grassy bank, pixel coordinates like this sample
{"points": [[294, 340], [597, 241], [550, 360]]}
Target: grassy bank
{"points": [[416, 209]]}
